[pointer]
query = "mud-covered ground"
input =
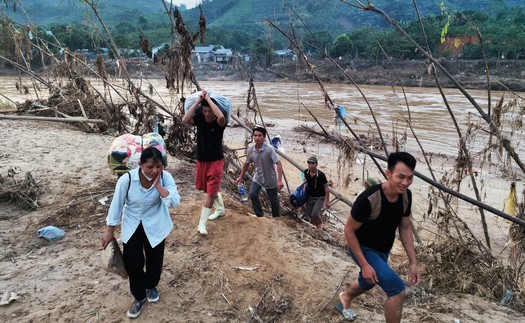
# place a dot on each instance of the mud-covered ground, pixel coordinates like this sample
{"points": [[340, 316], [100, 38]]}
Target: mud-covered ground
{"points": [[296, 275]]}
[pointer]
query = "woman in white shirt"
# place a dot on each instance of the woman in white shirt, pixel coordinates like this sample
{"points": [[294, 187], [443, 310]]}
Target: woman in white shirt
{"points": [[142, 199]]}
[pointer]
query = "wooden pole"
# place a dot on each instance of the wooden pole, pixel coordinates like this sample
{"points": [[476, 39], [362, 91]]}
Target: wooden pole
{"points": [[72, 119], [8, 111]]}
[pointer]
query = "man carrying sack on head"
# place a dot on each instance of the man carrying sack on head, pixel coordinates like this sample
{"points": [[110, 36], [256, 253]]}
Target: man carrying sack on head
{"points": [[210, 157]]}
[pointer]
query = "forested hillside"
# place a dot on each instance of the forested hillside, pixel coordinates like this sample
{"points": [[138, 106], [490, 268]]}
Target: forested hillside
{"points": [[51, 12], [333, 16], [322, 25]]}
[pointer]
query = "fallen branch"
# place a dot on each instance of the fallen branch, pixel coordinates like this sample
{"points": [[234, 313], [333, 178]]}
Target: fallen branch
{"points": [[72, 119], [24, 193], [9, 111], [437, 185]]}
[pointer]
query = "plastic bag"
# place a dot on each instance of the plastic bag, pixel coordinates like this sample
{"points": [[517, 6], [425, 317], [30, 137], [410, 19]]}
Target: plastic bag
{"points": [[51, 233], [112, 259], [155, 140], [124, 152], [300, 195], [222, 102]]}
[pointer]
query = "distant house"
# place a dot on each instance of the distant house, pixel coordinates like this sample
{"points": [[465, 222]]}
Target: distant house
{"points": [[454, 45], [203, 54], [222, 55], [283, 54], [94, 54], [213, 53], [104, 52]]}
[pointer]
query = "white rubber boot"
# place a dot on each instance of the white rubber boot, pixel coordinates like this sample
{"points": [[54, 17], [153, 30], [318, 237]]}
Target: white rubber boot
{"points": [[219, 208], [205, 213]]}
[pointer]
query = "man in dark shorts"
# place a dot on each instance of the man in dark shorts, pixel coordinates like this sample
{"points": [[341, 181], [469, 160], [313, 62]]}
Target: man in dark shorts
{"points": [[268, 173], [370, 231], [210, 157], [318, 193]]}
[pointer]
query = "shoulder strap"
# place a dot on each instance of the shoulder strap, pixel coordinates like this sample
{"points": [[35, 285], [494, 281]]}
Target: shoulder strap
{"points": [[375, 203], [129, 182], [405, 202], [129, 185]]}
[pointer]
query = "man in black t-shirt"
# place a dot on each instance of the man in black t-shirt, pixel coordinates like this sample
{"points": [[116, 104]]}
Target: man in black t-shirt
{"points": [[370, 232], [318, 192], [210, 158]]}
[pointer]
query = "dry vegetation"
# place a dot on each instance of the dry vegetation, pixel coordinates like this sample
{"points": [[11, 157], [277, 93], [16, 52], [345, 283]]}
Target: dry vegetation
{"points": [[456, 262]]}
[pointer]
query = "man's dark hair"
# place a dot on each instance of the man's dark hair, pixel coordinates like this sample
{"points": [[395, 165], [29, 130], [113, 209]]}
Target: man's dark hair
{"points": [[401, 156], [205, 103], [260, 129], [151, 153]]}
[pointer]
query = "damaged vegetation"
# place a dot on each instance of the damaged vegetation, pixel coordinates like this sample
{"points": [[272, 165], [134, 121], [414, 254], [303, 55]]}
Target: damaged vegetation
{"points": [[22, 191], [455, 261]]}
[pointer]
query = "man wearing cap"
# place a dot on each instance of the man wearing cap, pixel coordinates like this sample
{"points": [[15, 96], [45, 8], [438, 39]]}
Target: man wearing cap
{"points": [[266, 161], [318, 192]]}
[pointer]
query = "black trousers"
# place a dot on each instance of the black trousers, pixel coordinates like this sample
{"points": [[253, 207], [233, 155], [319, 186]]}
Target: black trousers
{"points": [[138, 251]]}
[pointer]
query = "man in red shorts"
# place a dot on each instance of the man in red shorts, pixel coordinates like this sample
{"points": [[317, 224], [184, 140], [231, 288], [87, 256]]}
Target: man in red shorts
{"points": [[210, 157]]}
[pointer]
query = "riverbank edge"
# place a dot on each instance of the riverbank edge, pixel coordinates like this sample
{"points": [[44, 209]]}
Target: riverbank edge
{"points": [[470, 74], [505, 75]]}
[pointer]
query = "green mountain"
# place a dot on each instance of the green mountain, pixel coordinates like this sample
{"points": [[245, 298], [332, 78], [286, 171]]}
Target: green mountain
{"points": [[53, 12], [330, 15], [333, 16]]}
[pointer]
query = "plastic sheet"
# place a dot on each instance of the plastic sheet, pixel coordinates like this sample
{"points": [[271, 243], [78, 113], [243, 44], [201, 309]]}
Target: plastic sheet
{"points": [[300, 195], [51, 233]]}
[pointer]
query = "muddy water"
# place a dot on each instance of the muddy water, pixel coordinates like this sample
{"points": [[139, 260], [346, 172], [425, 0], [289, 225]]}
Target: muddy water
{"points": [[282, 103]]}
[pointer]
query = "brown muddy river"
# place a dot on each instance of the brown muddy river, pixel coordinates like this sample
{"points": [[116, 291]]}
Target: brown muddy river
{"points": [[282, 104]]}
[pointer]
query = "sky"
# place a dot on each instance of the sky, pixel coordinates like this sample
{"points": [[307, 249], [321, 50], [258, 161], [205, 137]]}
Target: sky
{"points": [[189, 3]]}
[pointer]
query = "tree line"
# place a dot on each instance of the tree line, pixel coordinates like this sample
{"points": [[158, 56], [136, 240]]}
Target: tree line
{"points": [[503, 35]]}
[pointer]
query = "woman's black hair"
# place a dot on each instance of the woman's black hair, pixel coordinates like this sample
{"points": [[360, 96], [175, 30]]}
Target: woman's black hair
{"points": [[151, 153]]}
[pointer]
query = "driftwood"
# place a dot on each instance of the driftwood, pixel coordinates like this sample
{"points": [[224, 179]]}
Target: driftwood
{"points": [[72, 119], [437, 185], [22, 192], [112, 259]]}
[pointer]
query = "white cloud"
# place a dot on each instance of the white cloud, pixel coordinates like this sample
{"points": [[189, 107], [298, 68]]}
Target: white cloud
{"points": [[189, 3]]}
